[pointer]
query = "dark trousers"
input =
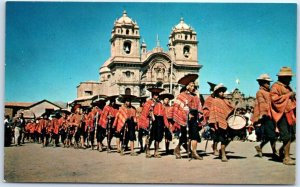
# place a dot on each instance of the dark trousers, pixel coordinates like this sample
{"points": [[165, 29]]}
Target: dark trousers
{"points": [[287, 132], [193, 132]]}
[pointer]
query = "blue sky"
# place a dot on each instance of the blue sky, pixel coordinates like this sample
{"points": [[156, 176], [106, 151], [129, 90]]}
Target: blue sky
{"points": [[52, 47]]}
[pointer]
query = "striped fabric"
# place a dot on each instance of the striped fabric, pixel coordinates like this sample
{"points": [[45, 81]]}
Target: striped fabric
{"points": [[185, 99], [158, 109], [143, 121], [220, 109], [104, 117], [123, 114], [76, 119], [168, 114], [206, 107], [55, 125], [262, 104], [282, 103]]}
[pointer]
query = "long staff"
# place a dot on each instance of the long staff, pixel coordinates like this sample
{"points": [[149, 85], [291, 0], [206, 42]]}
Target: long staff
{"points": [[108, 133], [187, 127]]}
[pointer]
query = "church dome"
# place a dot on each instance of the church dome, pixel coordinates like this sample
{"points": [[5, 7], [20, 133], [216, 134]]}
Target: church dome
{"points": [[182, 26], [125, 19]]}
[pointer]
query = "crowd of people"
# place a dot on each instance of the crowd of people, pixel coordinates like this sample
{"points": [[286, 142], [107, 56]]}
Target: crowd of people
{"points": [[156, 120]]}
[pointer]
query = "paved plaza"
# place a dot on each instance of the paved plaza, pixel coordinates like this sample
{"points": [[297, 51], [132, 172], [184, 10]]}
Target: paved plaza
{"points": [[32, 163]]}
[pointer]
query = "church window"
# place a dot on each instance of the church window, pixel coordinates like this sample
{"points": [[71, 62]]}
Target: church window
{"points": [[186, 51], [127, 31], [127, 91], [127, 73], [185, 37], [127, 47], [136, 32]]}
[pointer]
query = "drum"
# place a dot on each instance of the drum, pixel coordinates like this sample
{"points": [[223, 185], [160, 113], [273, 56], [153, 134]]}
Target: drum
{"points": [[236, 122]]}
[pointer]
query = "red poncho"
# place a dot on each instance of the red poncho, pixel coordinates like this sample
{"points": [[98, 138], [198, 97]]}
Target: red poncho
{"points": [[281, 103]]}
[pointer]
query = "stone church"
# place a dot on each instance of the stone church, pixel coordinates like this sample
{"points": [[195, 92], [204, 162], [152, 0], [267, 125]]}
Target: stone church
{"points": [[132, 68]]}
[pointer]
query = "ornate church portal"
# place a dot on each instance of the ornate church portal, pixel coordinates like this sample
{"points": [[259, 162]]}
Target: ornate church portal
{"points": [[132, 68]]}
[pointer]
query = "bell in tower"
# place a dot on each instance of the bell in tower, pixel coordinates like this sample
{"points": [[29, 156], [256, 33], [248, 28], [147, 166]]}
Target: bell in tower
{"points": [[183, 38], [125, 39]]}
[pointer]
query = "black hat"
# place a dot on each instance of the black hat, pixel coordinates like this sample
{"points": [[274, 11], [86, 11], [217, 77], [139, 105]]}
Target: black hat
{"points": [[112, 98], [155, 90], [212, 86], [125, 98], [166, 95], [141, 99], [187, 79], [99, 103]]}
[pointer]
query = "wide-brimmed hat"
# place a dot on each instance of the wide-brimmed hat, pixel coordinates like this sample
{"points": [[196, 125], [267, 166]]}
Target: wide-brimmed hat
{"points": [[264, 77], [112, 98], [155, 90], [141, 99], [187, 79], [126, 97], [166, 95], [285, 71], [220, 87], [212, 86], [99, 102]]}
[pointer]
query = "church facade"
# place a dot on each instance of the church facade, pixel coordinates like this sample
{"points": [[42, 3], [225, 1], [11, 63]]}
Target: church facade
{"points": [[132, 68]]}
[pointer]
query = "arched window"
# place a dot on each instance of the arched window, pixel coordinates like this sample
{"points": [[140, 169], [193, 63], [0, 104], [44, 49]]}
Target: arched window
{"points": [[127, 47], [127, 91], [127, 31], [186, 51]]}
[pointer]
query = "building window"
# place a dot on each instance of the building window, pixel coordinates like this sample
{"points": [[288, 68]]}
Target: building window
{"points": [[185, 37], [127, 31], [127, 91], [127, 73], [127, 47], [88, 93], [186, 51]]}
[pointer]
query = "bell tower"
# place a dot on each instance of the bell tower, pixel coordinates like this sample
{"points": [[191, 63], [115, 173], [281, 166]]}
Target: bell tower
{"points": [[183, 40], [125, 39]]}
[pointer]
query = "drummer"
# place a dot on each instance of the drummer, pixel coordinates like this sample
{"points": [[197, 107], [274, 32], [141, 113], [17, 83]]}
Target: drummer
{"points": [[206, 112], [219, 111]]}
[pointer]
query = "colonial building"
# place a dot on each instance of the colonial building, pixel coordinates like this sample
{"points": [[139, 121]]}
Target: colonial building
{"points": [[132, 68]]}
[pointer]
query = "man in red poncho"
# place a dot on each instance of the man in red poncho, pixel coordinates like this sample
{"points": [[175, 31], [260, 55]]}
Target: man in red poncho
{"points": [[151, 119], [219, 112], [124, 124], [107, 119], [283, 102], [187, 112], [206, 114], [168, 119], [262, 114]]}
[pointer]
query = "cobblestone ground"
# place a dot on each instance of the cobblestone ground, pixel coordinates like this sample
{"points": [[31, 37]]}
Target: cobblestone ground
{"points": [[31, 163]]}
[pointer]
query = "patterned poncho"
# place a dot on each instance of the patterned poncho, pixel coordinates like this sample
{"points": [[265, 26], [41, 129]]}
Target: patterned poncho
{"points": [[262, 104], [143, 120], [185, 99], [108, 111], [123, 114], [219, 111], [206, 107], [281, 103]]}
